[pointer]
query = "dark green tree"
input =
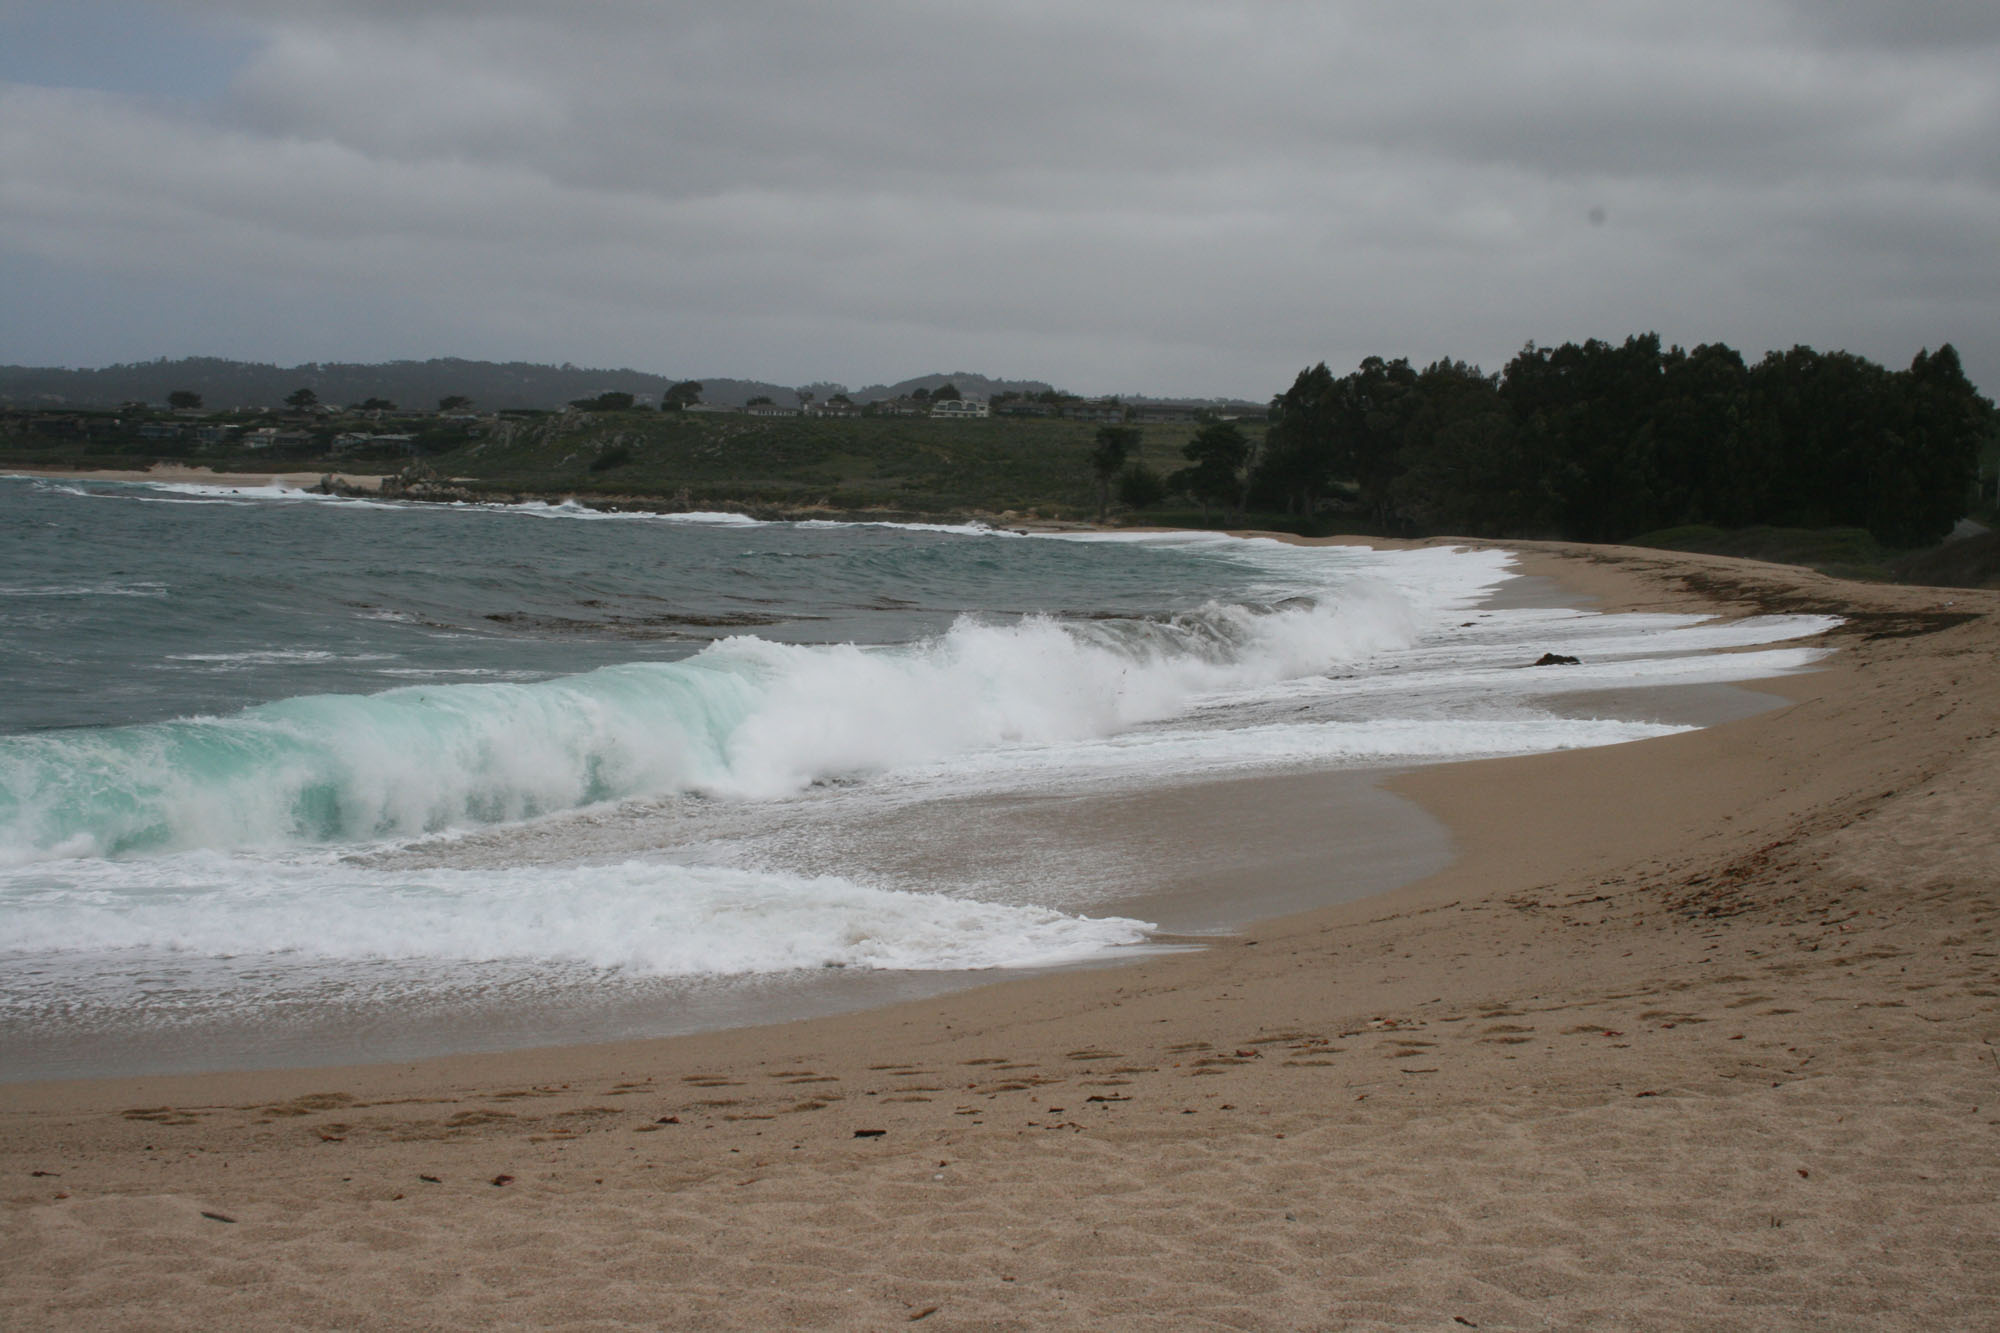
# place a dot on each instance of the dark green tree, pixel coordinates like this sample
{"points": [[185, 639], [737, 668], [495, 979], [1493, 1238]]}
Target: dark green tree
{"points": [[1457, 471], [1114, 445], [1216, 454], [1930, 468], [1585, 419], [1369, 428], [1597, 441], [456, 402], [184, 400], [681, 396], [302, 400], [1139, 487], [1296, 468], [1326, 431], [946, 393]]}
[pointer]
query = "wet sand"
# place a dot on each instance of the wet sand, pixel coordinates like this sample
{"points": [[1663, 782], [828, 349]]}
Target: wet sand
{"points": [[1193, 860], [1692, 1033]]}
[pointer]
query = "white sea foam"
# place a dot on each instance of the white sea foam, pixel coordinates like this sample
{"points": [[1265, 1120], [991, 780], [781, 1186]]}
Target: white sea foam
{"points": [[1385, 657], [1156, 755], [952, 529], [133, 853], [224, 490], [83, 590], [647, 918], [745, 718], [480, 673], [276, 657]]}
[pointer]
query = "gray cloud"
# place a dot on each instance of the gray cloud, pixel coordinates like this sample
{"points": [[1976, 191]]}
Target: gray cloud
{"points": [[1162, 196]]}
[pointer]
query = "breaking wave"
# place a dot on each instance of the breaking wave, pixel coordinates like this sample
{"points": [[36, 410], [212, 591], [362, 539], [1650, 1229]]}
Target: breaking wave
{"points": [[744, 718]]}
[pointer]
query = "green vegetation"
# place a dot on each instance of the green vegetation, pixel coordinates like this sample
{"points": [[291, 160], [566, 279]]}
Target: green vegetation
{"points": [[1113, 446], [1848, 553], [905, 464], [911, 465], [1217, 456], [1820, 459], [1596, 442]]}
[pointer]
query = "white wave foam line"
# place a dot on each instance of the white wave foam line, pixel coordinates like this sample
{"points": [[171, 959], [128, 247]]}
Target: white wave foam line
{"points": [[950, 529], [222, 490], [1152, 755], [744, 717], [85, 590], [578, 510], [275, 656], [1514, 680], [1435, 578], [647, 918]]}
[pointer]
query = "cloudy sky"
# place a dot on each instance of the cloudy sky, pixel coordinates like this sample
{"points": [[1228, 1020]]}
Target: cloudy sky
{"points": [[1114, 195]]}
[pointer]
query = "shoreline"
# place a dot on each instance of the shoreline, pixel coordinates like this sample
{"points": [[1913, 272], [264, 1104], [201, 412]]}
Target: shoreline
{"points": [[1695, 1031], [1199, 857], [1167, 846], [348, 482]]}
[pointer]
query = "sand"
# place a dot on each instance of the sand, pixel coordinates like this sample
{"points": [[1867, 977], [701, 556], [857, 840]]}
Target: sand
{"points": [[1695, 1033], [202, 476]]}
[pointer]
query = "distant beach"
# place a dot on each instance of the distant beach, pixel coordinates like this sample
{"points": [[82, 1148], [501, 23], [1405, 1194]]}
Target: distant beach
{"points": [[1694, 1031], [203, 476]]}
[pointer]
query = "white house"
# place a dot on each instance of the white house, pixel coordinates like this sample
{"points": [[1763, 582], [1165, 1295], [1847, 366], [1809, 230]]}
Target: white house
{"points": [[960, 407]]}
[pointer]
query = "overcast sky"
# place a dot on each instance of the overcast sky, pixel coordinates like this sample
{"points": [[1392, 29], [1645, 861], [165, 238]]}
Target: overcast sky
{"points": [[1113, 195]]}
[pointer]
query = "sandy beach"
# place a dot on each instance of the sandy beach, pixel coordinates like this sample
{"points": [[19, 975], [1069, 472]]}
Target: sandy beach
{"points": [[1701, 1032], [201, 476]]}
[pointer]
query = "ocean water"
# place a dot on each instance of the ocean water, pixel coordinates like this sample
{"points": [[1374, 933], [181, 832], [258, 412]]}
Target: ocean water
{"points": [[287, 778]]}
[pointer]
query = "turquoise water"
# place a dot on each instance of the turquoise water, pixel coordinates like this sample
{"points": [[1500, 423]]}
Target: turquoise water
{"points": [[132, 603]]}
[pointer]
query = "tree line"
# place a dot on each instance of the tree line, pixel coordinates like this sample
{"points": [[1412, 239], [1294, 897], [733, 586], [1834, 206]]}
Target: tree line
{"points": [[1599, 442]]}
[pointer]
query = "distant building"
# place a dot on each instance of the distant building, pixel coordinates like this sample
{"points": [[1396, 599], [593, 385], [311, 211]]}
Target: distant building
{"points": [[360, 440], [270, 437], [771, 410], [1160, 414], [960, 408], [58, 428]]}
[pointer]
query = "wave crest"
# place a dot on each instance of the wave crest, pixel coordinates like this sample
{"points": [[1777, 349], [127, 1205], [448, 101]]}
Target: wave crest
{"points": [[744, 718]]}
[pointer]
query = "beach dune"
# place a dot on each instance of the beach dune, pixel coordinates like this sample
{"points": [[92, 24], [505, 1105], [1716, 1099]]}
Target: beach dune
{"points": [[1695, 1033]]}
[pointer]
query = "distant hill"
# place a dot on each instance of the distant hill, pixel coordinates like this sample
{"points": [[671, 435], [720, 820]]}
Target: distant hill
{"points": [[491, 385], [230, 384], [735, 393]]}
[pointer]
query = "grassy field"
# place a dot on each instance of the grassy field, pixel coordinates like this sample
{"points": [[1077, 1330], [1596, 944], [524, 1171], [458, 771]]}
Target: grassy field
{"points": [[905, 464], [901, 463], [1849, 553]]}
